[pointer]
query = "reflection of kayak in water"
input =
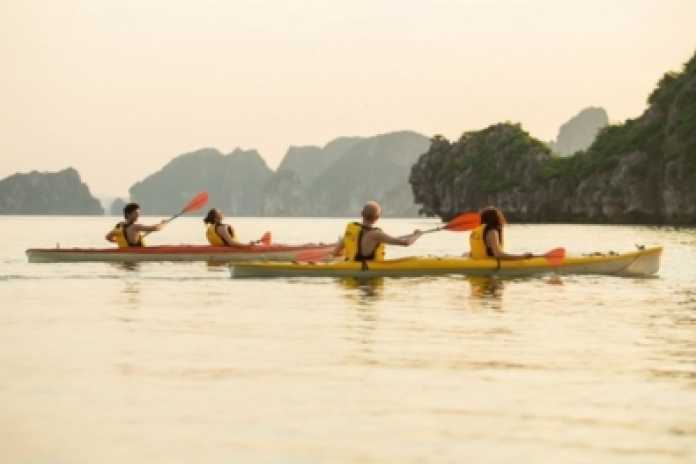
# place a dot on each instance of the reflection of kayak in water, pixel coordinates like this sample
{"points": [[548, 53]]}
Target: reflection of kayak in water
{"points": [[357, 282], [485, 286], [637, 263], [364, 288]]}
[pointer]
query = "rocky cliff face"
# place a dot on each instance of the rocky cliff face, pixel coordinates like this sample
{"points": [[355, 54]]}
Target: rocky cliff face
{"points": [[642, 171], [500, 165], [375, 168], [368, 171], [47, 193], [580, 131], [285, 195], [234, 182], [399, 202], [333, 181], [310, 162]]}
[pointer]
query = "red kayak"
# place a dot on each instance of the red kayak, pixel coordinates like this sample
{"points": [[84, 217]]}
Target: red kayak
{"points": [[187, 253]]}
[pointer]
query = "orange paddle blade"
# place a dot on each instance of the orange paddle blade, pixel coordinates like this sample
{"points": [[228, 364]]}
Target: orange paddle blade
{"points": [[197, 203], [556, 256], [467, 221], [313, 255], [266, 239]]}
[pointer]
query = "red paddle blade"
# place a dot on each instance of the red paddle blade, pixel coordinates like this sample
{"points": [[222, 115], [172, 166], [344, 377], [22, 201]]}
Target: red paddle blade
{"points": [[313, 255], [197, 203], [467, 221], [556, 256], [266, 239]]}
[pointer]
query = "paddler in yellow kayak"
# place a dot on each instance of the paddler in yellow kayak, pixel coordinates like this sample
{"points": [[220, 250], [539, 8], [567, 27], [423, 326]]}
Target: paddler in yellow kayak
{"points": [[487, 240], [365, 242], [129, 233]]}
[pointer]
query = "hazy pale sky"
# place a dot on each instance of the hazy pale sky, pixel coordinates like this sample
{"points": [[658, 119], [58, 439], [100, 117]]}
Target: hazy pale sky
{"points": [[117, 88]]}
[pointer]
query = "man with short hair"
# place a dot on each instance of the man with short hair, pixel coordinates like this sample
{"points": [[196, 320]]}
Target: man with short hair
{"points": [[364, 242], [128, 233]]}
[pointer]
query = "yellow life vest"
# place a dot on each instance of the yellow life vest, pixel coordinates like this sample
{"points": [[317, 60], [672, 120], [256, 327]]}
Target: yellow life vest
{"points": [[122, 239], [214, 239], [351, 243], [477, 243]]}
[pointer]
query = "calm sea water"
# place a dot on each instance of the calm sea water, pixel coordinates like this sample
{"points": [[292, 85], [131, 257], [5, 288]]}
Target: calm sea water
{"points": [[178, 363]]}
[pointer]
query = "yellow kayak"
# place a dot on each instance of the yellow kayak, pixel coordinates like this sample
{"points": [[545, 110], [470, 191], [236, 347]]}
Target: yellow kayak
{"points": [[642, 262]]}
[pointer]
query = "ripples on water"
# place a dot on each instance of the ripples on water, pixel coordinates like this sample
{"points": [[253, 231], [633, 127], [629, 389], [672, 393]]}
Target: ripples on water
{"points": [[179, 363]]}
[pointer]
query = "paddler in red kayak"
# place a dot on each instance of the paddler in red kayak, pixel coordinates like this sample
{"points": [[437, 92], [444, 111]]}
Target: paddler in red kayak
{"points": [[219, 234], [365, 242], [128, 233]]}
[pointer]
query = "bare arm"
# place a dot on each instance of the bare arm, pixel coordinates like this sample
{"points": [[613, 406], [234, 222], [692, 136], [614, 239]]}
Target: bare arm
{"points": [[143, 228], [338, 249], [377, 237], [493, 243], [110, 237], [227, 238]]}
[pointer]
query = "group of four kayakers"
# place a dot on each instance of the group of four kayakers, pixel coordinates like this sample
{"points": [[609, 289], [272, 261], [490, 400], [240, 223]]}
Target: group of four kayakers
{"points": [[362, 241]]}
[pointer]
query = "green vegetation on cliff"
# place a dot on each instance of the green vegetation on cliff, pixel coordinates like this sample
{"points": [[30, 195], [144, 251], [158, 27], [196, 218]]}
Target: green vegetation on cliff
{"points": [[640, 171], [666, 131], [491, 151]]}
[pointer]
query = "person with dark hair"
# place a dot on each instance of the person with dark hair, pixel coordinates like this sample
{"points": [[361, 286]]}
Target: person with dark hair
{"points": [[128, 233], [487, 240], [364, 242], [217, 233]]}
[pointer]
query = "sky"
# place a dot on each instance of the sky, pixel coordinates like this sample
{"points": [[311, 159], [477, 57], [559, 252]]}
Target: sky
{"points": [[117, 88]]}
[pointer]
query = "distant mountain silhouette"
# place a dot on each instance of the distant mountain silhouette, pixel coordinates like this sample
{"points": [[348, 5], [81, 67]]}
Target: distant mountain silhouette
{"points": [[308, 162], [370, 170], [234, 183], [285, 195], [105, 200], [580, 131], [116, 207], [332, 181], [47, 193]]}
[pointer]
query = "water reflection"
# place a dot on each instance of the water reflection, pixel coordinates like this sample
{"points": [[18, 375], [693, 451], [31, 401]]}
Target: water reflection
{"points": [[492, 288], [132, 294], [363, 318], [672, 334], [364, 290], [486, 287], [123, 266]]}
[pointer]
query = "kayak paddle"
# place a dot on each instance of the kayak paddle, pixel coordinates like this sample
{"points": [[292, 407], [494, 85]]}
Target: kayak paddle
{"points": [[312, 255], [461, 223], [265, 239], [195, 204], [555, 256]]}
